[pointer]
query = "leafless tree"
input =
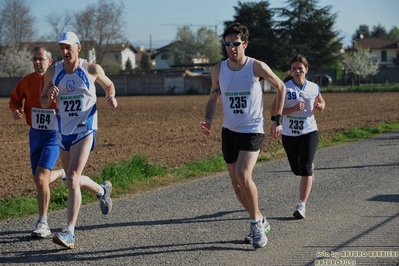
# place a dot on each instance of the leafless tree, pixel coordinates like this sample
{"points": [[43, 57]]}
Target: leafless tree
{"points": [[16, 23], [101, 22], [59, 22]]}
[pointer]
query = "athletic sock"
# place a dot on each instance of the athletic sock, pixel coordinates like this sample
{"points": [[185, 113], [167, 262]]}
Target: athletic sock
{"points": [[101, 192], [256, 221], [70, 229], [42, 219], [63, 176]]}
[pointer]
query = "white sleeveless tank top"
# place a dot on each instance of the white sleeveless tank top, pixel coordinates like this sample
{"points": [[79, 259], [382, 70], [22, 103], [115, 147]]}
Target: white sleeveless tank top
{"points": [[300, 122], [242, 99], [76, 101]]}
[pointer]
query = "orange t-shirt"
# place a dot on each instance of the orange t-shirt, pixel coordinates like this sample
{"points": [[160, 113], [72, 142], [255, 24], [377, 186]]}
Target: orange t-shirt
{"points": [[26, 95]]}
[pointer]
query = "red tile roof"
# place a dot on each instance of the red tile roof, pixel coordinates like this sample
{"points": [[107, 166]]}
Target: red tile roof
{"points": [[377, 43]]}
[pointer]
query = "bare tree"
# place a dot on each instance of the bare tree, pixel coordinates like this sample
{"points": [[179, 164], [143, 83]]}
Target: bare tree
{"points": [[361, 62], [101, 22], [16, 22], [59, 23]]}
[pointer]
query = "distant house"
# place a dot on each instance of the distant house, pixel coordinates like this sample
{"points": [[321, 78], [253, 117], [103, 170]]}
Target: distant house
{"points": [[161, 57], [385, 50], [122, 52]]}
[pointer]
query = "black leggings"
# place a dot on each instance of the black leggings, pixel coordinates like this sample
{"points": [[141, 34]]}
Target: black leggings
{"points": [[300, 151]]}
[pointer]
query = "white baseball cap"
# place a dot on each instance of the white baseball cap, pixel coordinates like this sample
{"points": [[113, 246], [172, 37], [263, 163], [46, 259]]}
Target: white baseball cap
{"points": [[68, 38]]}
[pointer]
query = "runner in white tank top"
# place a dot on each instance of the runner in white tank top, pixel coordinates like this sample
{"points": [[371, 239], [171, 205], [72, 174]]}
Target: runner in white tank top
{"points": [[76, 100], [71, 84], [236, 81], [300, 135], [302, 121], [242, 99]]}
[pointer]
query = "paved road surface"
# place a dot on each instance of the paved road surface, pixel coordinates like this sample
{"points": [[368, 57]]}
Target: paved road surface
{"points": [[352, 219]]}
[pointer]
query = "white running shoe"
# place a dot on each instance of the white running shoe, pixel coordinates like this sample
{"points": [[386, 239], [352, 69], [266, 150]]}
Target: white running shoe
{"points": [[300, 211], [41, 230]]}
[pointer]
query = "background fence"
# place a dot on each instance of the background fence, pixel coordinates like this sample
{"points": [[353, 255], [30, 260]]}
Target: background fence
{"points": [[169, 83]]}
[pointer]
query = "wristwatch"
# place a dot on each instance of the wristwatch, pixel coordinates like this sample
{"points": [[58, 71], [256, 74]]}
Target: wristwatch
{"points": [[278, 118]]}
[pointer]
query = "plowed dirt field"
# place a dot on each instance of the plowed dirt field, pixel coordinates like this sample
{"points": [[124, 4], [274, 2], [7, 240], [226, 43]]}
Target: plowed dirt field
{"points": [[166, 129]]}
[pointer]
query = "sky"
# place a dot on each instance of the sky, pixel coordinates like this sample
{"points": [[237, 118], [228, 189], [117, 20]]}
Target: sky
{"points": [[154, 23]]}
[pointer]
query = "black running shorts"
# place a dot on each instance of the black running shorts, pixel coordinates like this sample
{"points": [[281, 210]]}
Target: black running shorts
{"points": [[233, 142]]}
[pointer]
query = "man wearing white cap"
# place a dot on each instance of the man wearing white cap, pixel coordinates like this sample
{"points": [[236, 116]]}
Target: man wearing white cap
{"points": [[70, 83]]}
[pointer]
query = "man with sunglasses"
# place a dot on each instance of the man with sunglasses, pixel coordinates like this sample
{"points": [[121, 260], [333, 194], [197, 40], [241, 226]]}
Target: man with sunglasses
{"points": [[43, 143], [237, 82]]}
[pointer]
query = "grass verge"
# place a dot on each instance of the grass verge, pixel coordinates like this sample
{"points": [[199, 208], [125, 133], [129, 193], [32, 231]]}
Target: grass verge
{"points": [[137, 175]]}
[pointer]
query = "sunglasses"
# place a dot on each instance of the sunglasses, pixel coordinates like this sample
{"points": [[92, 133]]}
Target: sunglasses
{"points": [[235, 44]]}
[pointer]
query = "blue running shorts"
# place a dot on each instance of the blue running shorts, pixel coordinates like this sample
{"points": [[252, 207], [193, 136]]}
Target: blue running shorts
{"points": [[66, 141], [44, 149]]}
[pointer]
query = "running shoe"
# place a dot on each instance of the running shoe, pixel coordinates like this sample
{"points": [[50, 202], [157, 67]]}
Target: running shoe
{"points": [[65, 239], [105, 200], [259, 238], [300, 211], [248, 238], [41, 230]]}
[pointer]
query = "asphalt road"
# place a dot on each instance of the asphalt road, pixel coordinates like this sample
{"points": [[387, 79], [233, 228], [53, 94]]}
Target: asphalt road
{"points": [[352, 219]]}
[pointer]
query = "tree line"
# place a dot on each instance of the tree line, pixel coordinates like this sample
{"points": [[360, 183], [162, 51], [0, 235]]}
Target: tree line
{"points": [[101, 24], [301, 27], [276, 34]]}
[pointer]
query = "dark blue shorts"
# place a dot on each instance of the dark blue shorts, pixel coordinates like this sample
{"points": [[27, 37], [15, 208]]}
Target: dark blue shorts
{"points": [[44, 149]]}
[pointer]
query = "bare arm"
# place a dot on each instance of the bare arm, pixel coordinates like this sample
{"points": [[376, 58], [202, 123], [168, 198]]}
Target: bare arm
{"points": [[98, 72], [211, 105], [319, 103], [50, 92], [298, 107], [264, 71]]}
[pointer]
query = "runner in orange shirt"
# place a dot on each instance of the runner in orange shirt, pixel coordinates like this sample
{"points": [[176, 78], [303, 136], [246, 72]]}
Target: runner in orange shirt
{"points": [[44, 149]]}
